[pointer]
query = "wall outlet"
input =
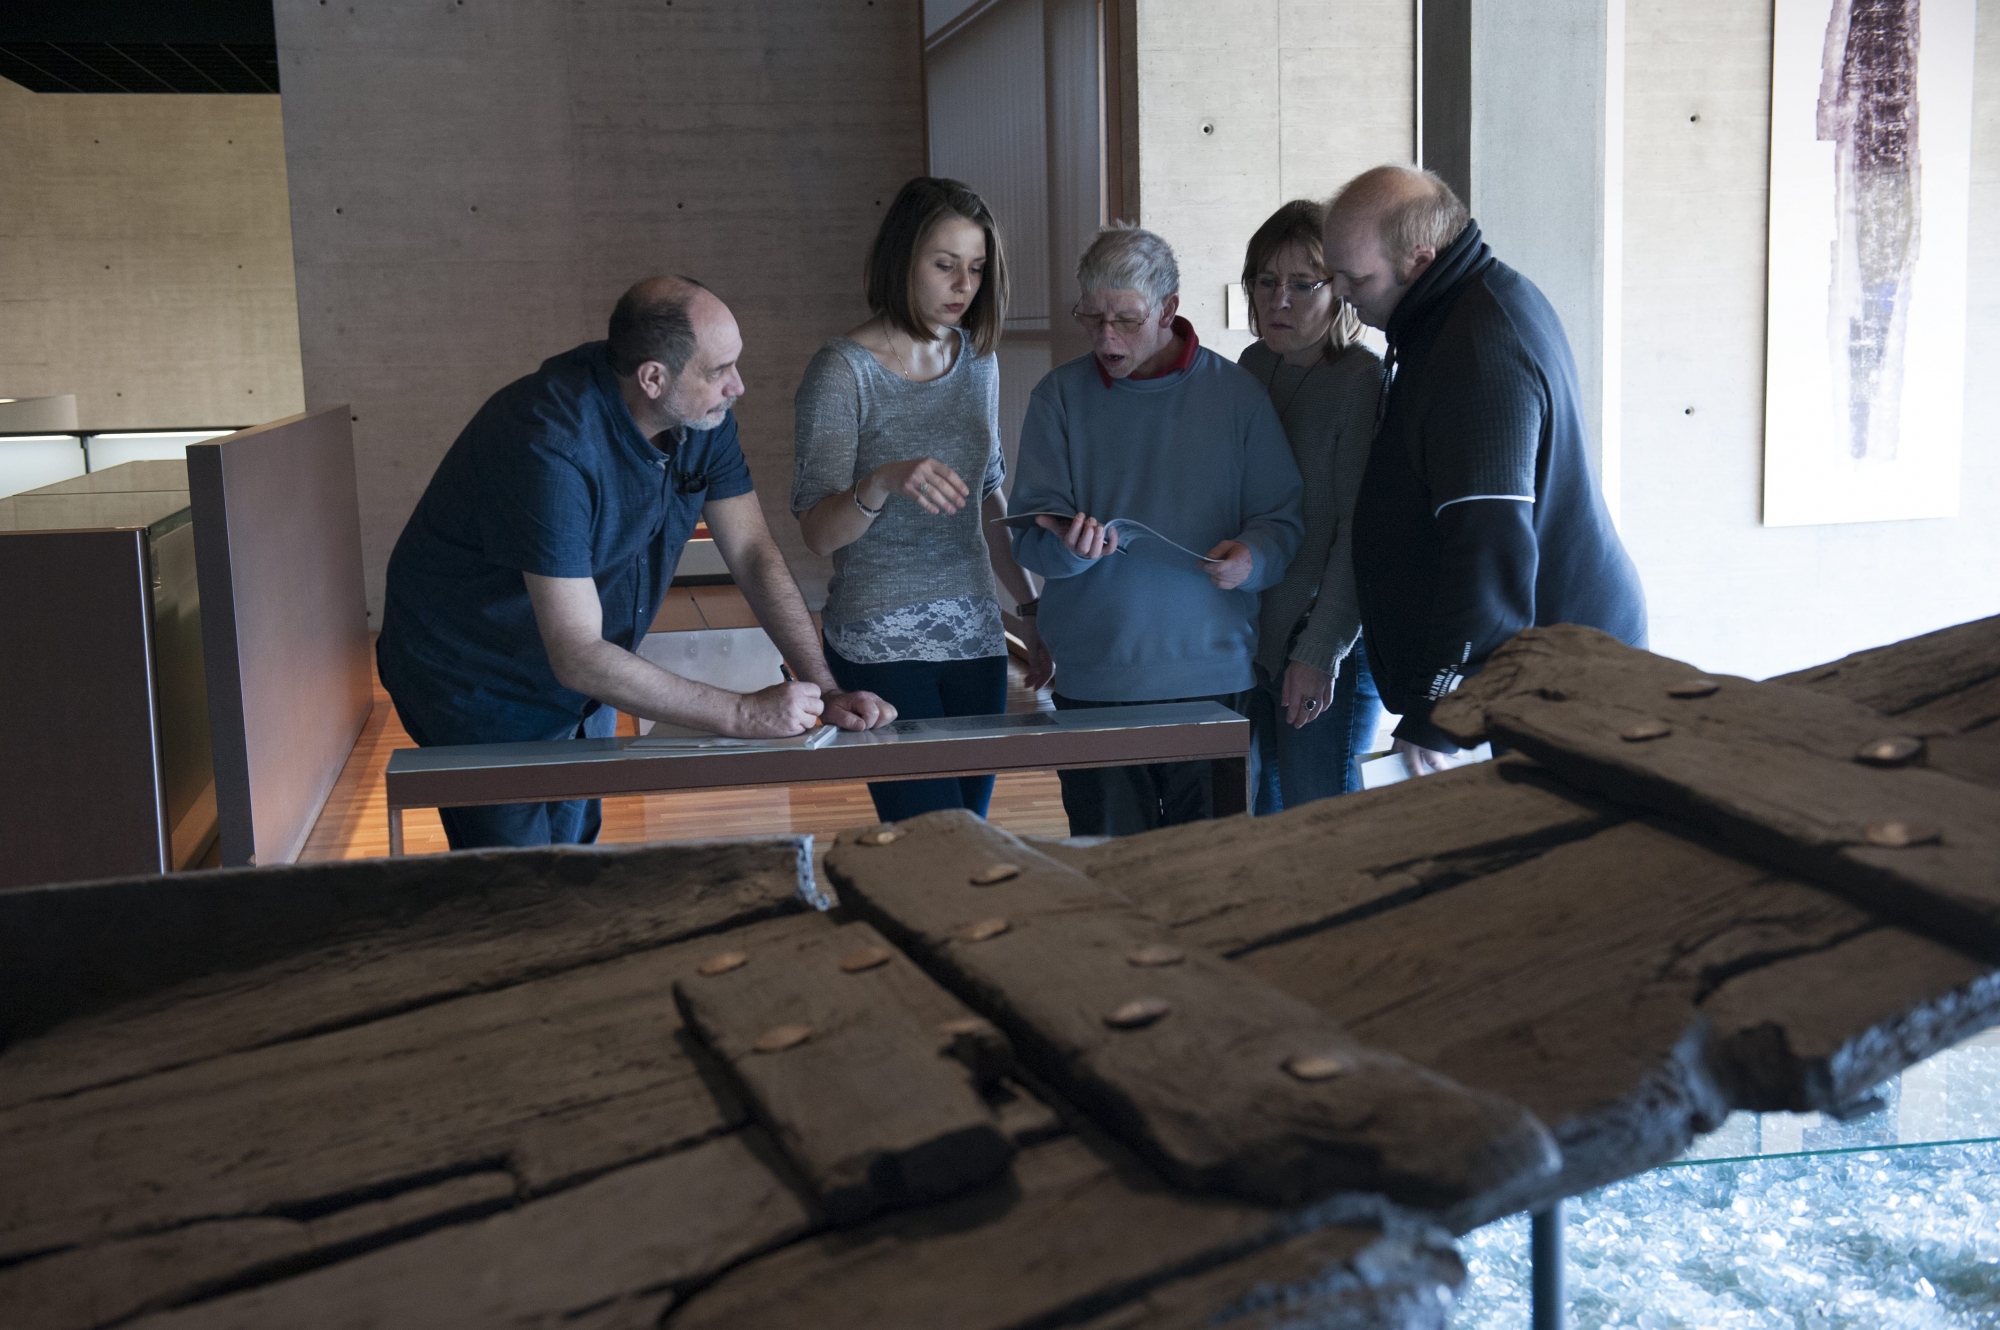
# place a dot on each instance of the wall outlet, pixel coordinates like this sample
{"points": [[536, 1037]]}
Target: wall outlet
{"points": [[1236, 307]]}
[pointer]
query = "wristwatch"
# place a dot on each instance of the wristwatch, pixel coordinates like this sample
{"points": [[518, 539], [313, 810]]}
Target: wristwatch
{"points": [[1026, 609]]}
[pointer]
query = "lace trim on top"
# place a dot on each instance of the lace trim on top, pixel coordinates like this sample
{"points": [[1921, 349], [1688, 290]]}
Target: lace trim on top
{"points": [[961, 628]]}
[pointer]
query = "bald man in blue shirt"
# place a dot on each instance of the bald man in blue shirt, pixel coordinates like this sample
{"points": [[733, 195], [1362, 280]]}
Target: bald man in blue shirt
{"points": [[546, 540]]}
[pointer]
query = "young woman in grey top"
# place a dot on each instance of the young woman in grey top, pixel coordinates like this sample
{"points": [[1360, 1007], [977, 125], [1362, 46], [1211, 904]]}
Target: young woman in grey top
{"points": [[1315, 708], [898, 422]]}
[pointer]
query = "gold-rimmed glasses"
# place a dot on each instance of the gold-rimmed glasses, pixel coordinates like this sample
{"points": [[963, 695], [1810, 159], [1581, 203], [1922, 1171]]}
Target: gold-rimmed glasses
{"points": [[1122, 324]]}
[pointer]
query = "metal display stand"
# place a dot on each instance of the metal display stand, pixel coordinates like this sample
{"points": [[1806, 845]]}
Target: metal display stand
{"points": [[1545, 1256]]}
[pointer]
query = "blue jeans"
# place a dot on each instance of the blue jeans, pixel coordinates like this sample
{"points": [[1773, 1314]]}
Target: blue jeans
{"points": [[569, 822], [1291, 767], [928, 690]]}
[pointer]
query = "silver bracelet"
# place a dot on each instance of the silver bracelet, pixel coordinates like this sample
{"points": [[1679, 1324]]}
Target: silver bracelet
{"points": [[872, 512]]}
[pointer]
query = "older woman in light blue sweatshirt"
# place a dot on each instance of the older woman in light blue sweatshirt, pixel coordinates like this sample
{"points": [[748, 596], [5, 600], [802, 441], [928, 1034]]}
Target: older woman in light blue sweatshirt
{"points": [[1155, 429]]}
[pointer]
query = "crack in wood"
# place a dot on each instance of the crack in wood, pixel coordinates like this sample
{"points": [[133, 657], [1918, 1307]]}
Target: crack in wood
{"points": [[1712, 977]]}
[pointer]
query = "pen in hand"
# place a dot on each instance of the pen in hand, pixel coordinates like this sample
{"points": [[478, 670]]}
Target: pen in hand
{"points": [[786, 670]]}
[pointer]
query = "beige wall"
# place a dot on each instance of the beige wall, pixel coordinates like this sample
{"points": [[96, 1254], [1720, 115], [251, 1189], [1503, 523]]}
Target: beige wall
{"points": [[146, 258], [1727, 592], [473, 186], [1302, 95]]}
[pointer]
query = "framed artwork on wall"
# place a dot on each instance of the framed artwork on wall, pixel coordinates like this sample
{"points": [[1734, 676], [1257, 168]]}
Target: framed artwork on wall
{"points": [[1871, 156]]}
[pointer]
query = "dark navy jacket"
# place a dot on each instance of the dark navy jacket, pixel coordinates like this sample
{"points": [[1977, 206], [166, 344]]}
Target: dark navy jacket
{"points": [[1478, 514], [551, 477]]}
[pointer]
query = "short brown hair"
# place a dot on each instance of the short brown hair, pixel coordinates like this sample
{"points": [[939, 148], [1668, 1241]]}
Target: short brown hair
{"points": [[1300, 223], [1416, 208], [916, 212]]}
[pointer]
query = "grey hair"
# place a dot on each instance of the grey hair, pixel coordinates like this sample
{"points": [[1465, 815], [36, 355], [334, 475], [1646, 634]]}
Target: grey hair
{"points": [[1125, 257]]}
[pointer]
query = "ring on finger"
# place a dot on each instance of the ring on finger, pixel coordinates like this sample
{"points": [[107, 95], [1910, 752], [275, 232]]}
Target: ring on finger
{"points": [[1312, 704]]}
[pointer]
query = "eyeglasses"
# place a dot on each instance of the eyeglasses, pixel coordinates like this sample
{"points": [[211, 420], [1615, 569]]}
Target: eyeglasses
{"points": [[1122, 325], [1300, 290]]}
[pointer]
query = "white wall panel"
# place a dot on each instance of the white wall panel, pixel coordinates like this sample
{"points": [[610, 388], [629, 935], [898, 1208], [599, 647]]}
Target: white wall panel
{"points": [[1244, 106], [1726, 592]]}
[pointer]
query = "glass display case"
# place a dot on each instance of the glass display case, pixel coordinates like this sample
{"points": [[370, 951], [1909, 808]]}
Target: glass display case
{"points": [[1799, 1221]]}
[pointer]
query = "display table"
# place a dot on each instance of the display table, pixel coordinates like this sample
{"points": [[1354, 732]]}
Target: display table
{"points": [[453, 777]]}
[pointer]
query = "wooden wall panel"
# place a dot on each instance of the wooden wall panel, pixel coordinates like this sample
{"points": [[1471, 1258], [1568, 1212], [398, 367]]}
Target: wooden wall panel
{"points": [[989, 127], [473, 186], [284, 629], [146, 258]]}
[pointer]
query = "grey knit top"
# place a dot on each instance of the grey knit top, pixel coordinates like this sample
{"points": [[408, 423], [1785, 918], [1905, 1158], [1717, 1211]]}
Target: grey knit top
{"points": [[914, 586], [1328, 411]]}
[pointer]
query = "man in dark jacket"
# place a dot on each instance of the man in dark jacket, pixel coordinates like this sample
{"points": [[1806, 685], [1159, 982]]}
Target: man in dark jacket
{"points": [[1478, 515]]}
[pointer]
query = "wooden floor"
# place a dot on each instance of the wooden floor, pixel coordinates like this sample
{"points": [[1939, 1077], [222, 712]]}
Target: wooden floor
{"points": [[355, 821]]}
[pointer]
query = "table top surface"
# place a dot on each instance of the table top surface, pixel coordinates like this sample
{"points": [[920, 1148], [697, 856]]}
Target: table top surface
{"points": [[668, 743]]}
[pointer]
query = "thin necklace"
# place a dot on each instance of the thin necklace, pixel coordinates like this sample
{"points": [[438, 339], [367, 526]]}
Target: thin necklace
{"points": [[1271, 379], [908, 372]]}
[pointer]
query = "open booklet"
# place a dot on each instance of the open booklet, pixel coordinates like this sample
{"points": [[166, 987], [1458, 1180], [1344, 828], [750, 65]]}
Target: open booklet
{"points": [[1130, 531]]}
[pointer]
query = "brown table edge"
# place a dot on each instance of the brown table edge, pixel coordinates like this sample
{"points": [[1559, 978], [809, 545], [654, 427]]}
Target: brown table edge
{"points": [[638, 776]]}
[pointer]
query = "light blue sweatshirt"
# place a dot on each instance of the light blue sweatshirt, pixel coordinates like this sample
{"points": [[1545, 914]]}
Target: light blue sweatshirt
{"points": [[1199, 456]]}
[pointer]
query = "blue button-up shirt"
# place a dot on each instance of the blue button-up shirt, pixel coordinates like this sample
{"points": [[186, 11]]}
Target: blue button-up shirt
{"points": [[551, 477]]}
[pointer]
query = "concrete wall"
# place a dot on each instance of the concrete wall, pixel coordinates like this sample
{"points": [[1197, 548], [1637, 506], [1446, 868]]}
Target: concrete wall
{"points": [[1296, 96], [1727, 592], [1547, 174], [146, 258], [474, 184]]}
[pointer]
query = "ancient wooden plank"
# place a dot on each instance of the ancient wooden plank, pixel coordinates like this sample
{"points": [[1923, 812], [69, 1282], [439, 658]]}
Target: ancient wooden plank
{"points": [[1944, 684], [1202, 1089], [1076, 1228], [1913, 673], [868, 1102], [1772, 769], [1232, 886], [1820, 1029], [1579, 984], [1406, 1281], [611, 1251], [114, 1281], [551, 1080], [1973, 710], [161, 972], [1973, 757]]}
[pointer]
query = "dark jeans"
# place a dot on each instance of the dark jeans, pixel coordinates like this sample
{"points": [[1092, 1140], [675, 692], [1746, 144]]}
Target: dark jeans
{"points": [[927, 690], [571, 822], [1291, 767], [1118, 801]]}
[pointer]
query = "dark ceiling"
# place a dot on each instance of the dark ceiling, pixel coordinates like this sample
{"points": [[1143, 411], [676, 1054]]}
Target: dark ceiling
{"points": [[200, 46]]}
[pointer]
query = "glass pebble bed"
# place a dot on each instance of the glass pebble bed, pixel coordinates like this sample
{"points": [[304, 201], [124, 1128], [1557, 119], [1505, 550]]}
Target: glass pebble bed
{"points": [[1780, 1221]]}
